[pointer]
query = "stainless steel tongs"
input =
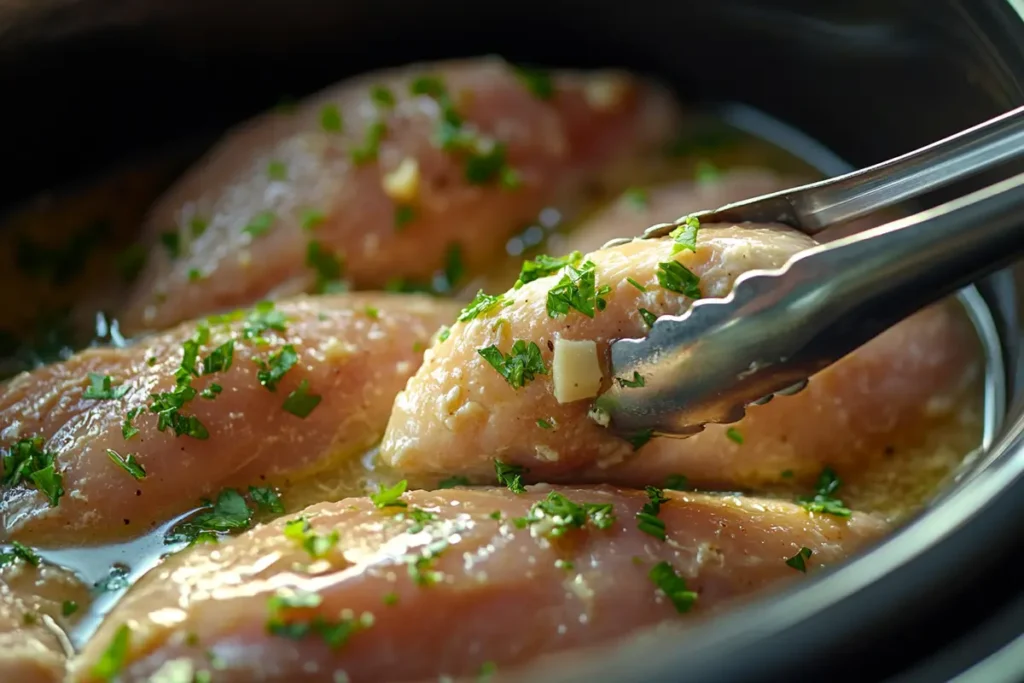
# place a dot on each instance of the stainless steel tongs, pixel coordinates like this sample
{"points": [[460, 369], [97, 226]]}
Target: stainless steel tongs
{"points": [[778, 327]]}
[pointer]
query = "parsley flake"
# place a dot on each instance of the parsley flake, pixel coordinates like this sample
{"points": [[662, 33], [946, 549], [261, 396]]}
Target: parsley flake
{"points": [[481, 304], [266, 499], [404, 214], [636, 198], [310, 218], [685, 236], [300, 402], [556, 515], [452, 482], [20, 551], [229, 513], [510, 476], [277, 170], [26, 462], [636, 382], [260, 224], [673, 586], [128, 463], [577, 290], [318, 546], [520, 366], [636, 284], [390, 496], [328, 267], [101, 388], [273, 369], [647, 519], [543, 265], [734, 435], [640, 438], [823, 501], [676, 277], [382, 97], [537, 81], [112, 661], [648, 317], [128, 430], [367, 152], [330, 118], [677, 482], [799, 561]]}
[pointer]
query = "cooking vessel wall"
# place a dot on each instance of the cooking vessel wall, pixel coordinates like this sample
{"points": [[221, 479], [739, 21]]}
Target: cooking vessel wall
{"points": [[92, 83]]}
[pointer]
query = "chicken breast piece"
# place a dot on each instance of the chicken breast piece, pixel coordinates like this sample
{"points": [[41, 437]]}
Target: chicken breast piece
{"points": [[275, 394], [459, 412], [454, 581], [640, 208], [386, 172], [37, 605]]}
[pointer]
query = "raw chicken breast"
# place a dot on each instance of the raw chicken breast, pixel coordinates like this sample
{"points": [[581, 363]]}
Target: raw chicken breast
{"points": [[455, 582], [37, 604], [263, 426], [459, 412], [387, 172]]}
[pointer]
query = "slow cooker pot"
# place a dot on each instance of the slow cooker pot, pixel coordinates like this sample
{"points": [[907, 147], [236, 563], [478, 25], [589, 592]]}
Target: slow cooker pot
{"points": [[89, 83]]}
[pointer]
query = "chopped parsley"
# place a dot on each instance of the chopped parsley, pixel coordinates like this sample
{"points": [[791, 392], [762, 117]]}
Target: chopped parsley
{"points": [[220, 358], [194, 275], [372, 312], [786, 474], [128, 463], [640, 438], [318, 546], [130, 262], [419, 518], [266, 499], [454, 269], [481, 303], [556, 515], [404, 214], [486, 163], [636, 284], [676, 277], [452, 482], [685, 236], [706, 172], [328, 267], [277, 170], [390, 496], [68, 607], [262, 318], [649, 318], [330, 118], [647, 519], [101, 388], [537, 81], [543, 265], [367, 152], [823, 501], [636, 382], [577, 290], [443, 334], [382, 97], [544, 424], [673, 586], [172, 243], [636, 198], [487, 670], [300, 402], [273, 369], [421, 565], [799, 561], [334, 633], [26, 462], [510, 476], [19, 551], [310, 218], [128, 430], [677, 482], [429, 85], [260, 224], [110, 663], [391, 599], [229, 513], [734, 435], [520, 366]]}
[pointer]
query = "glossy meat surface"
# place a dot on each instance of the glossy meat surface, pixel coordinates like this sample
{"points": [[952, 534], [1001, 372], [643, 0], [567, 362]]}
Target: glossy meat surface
{"points": [[293, 176], [34, 612], [458, 412], [355, 351], [492, 594]]}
